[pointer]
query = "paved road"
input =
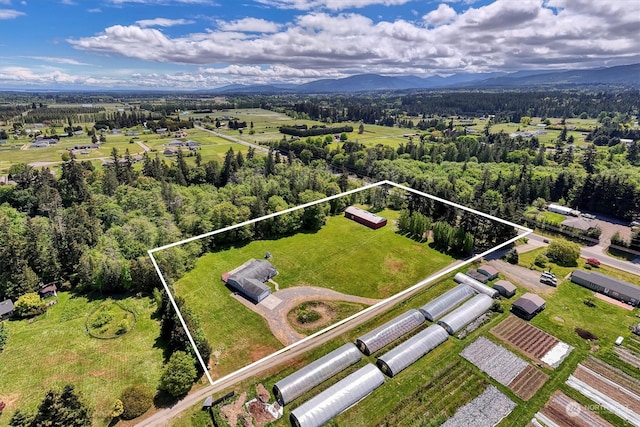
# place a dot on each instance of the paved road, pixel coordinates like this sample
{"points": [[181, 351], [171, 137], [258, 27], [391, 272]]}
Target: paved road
{"points": [[599, 252], [234, 139]]}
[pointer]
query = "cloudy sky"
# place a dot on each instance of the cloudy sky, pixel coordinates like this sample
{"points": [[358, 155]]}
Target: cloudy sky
{"points": [[192, 44]]}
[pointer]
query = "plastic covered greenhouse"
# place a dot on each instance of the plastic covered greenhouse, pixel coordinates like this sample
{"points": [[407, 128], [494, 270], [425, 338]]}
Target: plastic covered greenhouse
{"points": [[318, 371], [478, 286], [466, 313], [390, 331], [446, 302], [411, 350], [337, 398]]}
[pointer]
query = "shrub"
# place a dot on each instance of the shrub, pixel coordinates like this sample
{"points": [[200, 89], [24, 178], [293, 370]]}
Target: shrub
{"points": [[541, 260], [4, 335], [563, 252], [123, 327], [30, 304], [179, 374], [136, 400], [512, 256], [118, 408], [101, 319], [308, 316]]}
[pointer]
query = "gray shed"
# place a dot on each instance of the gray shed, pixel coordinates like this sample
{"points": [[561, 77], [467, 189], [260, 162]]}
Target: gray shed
{"points": [[337, 398], [318, 371], [390, 331], [411, 350], [478, 286], [506, 289], [249, 279], [6, 309], [446, 302], [466, 313]]}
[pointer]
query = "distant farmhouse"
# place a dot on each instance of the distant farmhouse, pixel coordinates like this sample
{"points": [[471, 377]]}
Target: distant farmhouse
{"points": [[603, 284], [249, 279], [563, 210], [365, 217]]}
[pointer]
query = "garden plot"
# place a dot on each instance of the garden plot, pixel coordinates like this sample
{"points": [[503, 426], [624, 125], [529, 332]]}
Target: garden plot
{"points": [[505, 367], [533, 342], [609, 388], [486, 410], [561, 410], [498, 362]]}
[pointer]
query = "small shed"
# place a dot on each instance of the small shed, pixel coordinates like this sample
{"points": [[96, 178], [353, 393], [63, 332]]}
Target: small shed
{"points": [[506, 289], [475, 274], [365, 217], [6, 309], [488, 271], [527, 306], [48, 290], [208, 403]]}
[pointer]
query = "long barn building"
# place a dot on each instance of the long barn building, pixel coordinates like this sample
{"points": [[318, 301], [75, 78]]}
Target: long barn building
{"points": [[603, 284], [365, 217]]}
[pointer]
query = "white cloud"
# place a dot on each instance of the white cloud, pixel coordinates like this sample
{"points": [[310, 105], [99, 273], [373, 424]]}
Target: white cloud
{"points": [[253, 25], [162, 22], [94, 10], [6, 2], [10, 13], [161, 2], [58, 60], [442, 15], [68, 2], [328, 4]]}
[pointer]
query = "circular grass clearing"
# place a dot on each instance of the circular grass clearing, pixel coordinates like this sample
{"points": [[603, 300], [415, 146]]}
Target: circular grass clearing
{"points": [[312, 316], [110, 320]]}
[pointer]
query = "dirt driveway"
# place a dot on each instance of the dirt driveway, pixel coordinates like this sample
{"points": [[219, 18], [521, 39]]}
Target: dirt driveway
{"points": [[276, 307], [529, 279]]}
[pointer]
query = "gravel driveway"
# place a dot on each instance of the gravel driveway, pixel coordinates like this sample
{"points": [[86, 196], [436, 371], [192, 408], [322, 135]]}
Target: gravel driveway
{"points": [[524, 277], [290, 298]]}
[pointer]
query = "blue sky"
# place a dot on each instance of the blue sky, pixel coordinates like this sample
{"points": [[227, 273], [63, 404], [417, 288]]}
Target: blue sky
{"points": [[195, 44]]}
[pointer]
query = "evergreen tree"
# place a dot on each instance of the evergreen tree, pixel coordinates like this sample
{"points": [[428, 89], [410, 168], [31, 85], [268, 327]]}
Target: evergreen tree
{"points": [[62, 410]]}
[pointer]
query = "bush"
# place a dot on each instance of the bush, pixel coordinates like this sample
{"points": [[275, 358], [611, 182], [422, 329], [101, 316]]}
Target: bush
{"points": [[541, 260], [564, 252], [179, 374], [30, 304], [101, 319], [123, 327], [118, 408], [512, 256], [308, 316], [136, 400], [4, 335]]}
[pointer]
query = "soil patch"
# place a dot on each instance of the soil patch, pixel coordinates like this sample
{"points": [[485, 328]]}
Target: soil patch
{"points": [[235, 411]]}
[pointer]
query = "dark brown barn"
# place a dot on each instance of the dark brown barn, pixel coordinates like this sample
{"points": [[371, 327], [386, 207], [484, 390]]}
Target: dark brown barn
{"points": [[365, 217]]}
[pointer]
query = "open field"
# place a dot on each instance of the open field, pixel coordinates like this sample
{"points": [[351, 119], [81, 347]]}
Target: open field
{"points": [[55, 350], [393, 262]]}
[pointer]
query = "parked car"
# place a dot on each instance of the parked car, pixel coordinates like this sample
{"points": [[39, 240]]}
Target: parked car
{"points": [[588, 216], [548, 274], [593, 262], [549, 281]]}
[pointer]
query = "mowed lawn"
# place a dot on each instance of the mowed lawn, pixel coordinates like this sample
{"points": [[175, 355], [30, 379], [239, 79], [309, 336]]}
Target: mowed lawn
{"points": [[344, 256], [55, 350]]}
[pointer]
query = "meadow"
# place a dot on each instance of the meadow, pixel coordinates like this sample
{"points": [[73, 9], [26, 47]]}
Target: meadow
{"points": [[343, 255], [54, 349]]}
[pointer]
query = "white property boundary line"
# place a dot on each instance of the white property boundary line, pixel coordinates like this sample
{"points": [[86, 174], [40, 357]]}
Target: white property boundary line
{"points": [[526, 231]]}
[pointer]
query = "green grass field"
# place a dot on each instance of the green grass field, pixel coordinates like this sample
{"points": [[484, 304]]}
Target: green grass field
{"points": [[55, 350], [343, 256]]}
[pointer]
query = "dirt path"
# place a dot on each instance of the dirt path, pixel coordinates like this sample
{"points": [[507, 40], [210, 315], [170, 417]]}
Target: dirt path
{"points": [[143, 146], [522, 276], [275, 313]]}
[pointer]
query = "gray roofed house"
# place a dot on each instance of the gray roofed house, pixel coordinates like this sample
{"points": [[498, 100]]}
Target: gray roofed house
{"points": [[249, 279], [506, 289], [614, 288], [489, 271], [175, 143], [6, 309], [578, 223], [527, 306]]}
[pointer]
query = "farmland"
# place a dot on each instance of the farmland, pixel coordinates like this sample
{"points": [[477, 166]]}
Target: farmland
{"points": [[563, 410]]}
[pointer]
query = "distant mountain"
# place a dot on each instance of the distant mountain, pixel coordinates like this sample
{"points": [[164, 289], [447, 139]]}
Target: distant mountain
{"points": [[619, 75]]}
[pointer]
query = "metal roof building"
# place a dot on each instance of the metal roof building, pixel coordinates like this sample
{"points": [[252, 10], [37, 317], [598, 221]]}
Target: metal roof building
{"points": [[527, 306], [483, 289], [411, 350], [249, 279], [466, 313], [618, 289], [446, 302], [506, 288], [337, 398], [318, 371], [390, 331], [365, 217]]}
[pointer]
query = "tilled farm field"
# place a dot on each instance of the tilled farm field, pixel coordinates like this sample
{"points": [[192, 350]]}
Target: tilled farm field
{"points": [[485, 410], [563, 411], [609, 388], [533, 342], [505, 367]]}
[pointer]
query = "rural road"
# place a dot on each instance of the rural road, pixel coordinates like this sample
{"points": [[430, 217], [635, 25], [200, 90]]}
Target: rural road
{"points": [[234, 139]]}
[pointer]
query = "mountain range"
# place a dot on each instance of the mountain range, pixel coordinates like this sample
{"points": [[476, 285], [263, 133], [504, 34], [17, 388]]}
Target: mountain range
{"points": [[623, 75]]}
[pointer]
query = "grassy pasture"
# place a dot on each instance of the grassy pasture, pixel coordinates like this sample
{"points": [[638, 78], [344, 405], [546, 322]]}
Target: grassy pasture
{"points": [[55, 350], [344, 256]]}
